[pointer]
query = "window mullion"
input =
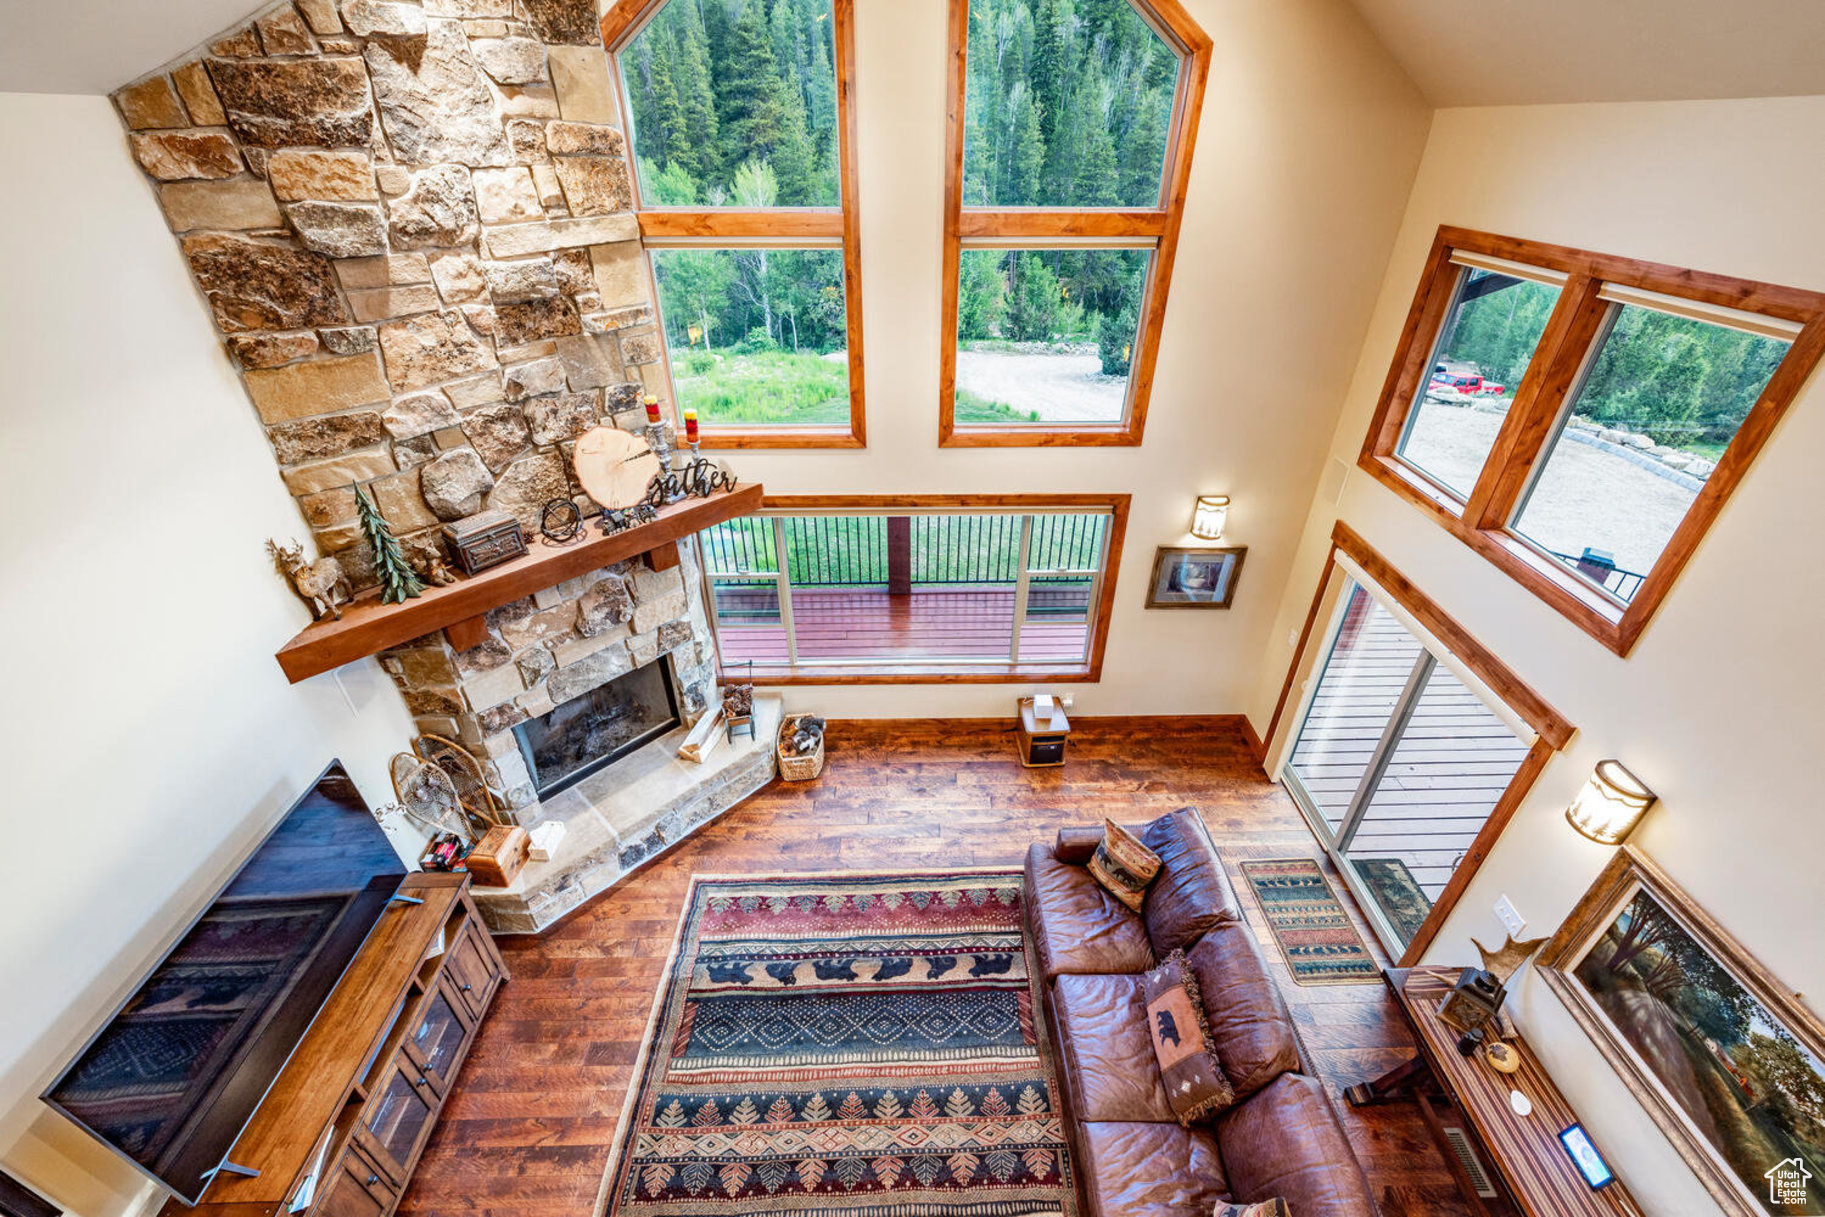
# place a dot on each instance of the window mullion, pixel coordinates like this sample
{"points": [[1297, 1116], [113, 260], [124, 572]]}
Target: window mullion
{"points": [[1384, 749], [1569, 339], [1021, 583], [782, 580]]}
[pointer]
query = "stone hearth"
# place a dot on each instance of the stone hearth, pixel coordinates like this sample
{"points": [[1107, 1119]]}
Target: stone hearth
{"points": [[629, 812], [551, 647]]}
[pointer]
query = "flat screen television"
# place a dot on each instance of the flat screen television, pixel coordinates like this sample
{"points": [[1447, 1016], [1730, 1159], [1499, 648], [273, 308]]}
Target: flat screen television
{"points": [[172, 1078]]}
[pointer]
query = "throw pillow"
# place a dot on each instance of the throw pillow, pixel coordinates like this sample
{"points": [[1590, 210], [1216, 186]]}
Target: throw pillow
{"points": [[1195, 1085], [1265, 1208], [1123, 865]]}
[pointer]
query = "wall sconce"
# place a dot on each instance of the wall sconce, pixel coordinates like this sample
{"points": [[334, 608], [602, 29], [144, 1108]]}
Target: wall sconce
{"points": [[1610, 805], [1209, 516]]}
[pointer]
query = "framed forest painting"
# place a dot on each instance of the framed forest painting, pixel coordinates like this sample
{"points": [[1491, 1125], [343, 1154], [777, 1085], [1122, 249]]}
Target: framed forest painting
{"points": [[1729, 1062]]}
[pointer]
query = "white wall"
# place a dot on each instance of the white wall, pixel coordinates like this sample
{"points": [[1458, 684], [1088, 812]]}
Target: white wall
{"points": [[1306, 152], [150, 737], [1719, 707]]}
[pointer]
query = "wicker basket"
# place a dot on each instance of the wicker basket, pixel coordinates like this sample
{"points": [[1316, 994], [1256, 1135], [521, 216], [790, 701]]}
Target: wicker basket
{"points": [[798, 768]]}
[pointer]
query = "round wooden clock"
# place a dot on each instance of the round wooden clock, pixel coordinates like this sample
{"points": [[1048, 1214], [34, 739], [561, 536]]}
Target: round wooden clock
{"points": [[615, 466]]}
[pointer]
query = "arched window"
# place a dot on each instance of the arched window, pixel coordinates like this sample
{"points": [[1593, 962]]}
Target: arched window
{"points": [[1071, 132], [740, 128]]}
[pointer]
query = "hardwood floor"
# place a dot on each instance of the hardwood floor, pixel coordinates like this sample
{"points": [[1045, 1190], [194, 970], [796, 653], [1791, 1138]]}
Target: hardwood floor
{"points": [[527, 1130]]}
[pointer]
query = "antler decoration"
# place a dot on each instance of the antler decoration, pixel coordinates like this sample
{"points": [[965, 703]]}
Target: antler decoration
{"points": [[1506, 960]]}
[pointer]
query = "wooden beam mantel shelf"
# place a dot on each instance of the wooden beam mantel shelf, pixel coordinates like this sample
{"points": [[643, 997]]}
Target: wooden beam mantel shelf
{"points": [[369, 627]]}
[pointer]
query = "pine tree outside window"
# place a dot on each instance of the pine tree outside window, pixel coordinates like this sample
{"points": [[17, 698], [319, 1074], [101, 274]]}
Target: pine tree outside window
{"points": [[739, 123], [1071, 132]]}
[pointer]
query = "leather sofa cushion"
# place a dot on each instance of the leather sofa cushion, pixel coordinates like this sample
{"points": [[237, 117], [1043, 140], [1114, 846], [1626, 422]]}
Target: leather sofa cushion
{"points": [[1077, 926], [1153, 1170], [1250, 1027], [1076, 843], [1285, 1141], [1191, 893], [1108, 1057]]}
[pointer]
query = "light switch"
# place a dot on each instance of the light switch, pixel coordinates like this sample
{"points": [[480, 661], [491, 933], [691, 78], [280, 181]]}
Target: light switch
{"points": [[1511, 920]]}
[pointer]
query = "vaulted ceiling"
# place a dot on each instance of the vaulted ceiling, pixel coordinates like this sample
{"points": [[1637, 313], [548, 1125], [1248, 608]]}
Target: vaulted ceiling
{"points": [[1522, 52], [1459, 52]]}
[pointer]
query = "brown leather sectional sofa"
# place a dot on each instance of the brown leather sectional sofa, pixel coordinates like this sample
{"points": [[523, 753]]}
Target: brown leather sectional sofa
{"points": [[1281, 1138]]}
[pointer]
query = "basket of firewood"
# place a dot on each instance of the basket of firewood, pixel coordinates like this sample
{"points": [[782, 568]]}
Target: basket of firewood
{"points": [[801, 747]]}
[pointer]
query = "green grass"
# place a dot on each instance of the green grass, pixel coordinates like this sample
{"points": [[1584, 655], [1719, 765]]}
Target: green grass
{"points": [[776, 388], [973, 409]]}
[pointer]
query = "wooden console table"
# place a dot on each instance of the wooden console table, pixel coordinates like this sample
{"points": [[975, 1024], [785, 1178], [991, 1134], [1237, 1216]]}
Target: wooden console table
{"points": [[1528, 1166]]}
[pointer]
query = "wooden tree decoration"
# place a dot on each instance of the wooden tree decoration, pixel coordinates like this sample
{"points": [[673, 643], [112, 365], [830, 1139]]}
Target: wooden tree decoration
{"points": [[398, 581]]}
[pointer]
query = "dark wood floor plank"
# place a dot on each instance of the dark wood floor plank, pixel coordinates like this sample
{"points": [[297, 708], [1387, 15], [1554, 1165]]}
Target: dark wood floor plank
{"points": [[528, 1126]]}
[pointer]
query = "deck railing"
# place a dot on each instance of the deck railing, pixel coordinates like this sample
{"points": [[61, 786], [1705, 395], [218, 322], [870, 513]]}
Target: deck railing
{"points": [[1622, 584], [925, 552]]}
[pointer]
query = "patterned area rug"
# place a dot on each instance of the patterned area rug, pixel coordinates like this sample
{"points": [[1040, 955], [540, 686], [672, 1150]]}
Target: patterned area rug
{"points": [[859, 1044], [1312, 929], [1397, 891]]}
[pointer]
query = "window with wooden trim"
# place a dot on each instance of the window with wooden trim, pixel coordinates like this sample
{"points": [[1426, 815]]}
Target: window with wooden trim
{"points": [[1071, 133], [1408, 745], [741, 130], [1580, 419], [882, 589]]}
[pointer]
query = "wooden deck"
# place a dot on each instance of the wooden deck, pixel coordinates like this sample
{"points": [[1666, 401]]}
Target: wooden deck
{"points": [[866, 625], [1446, 774]]}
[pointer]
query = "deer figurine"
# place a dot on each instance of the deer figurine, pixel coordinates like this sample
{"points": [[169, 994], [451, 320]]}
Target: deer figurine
{"points": [[321, 584]]}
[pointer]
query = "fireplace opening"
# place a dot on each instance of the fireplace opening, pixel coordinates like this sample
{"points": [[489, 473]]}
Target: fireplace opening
{"points": [[608, 722]]}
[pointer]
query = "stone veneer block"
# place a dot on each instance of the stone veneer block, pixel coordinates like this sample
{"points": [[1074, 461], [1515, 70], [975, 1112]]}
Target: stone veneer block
{"points": [[622, 816], [595, 185], [579, 74], [343, 471], [257, 285], [193, 86], [421, 351], [239, 204], [282, 103], [620, 273], [435, 104], [342, 176], [538, 237], [282, 32], [380, 303], [271, 350], [152, 103], [320, 386], [174, 156], [584, 139]]}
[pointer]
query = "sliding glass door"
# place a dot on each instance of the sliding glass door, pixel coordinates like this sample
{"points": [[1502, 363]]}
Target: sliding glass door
{"points": [[1398, 762]]}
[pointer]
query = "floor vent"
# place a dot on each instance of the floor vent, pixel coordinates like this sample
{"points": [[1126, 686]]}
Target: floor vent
{"points": [[1473, 1165]]}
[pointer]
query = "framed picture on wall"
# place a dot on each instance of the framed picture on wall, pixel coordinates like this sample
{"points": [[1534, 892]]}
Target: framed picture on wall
{"points": [[1194, 577], [1728, 1061]]}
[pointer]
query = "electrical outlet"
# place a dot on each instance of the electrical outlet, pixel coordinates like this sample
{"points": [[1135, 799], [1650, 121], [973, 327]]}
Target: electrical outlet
{"points": [[1067, 701], [1292, 638], [1511, 919]]}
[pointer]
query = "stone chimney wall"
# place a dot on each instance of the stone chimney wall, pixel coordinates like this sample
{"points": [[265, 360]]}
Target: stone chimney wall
{"points": [[412, 226]]}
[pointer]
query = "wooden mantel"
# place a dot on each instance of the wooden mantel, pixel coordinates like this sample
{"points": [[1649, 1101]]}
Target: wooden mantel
{"points": [[369, 627]]}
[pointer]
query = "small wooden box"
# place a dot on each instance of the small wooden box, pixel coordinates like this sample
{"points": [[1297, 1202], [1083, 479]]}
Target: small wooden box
{"points": [[498, 857], [485, 539], [1042, 743]]}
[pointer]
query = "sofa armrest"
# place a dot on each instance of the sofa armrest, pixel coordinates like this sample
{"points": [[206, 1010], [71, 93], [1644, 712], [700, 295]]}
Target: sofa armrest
{"points": [[1076, 843]]}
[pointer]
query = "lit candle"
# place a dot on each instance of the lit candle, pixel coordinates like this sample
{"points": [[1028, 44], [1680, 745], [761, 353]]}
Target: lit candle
{"points": [[652, 409], [690, 426]]}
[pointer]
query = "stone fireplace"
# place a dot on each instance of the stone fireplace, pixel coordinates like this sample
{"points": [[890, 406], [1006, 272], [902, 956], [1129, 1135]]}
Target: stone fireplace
{"points": [[571, 661], [411, 225], [597, 728]]}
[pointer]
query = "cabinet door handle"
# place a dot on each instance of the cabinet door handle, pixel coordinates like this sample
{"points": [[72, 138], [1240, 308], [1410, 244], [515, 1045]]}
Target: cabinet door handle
{"points": [[421, 1081], [468, 988], [373, 1179]]}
